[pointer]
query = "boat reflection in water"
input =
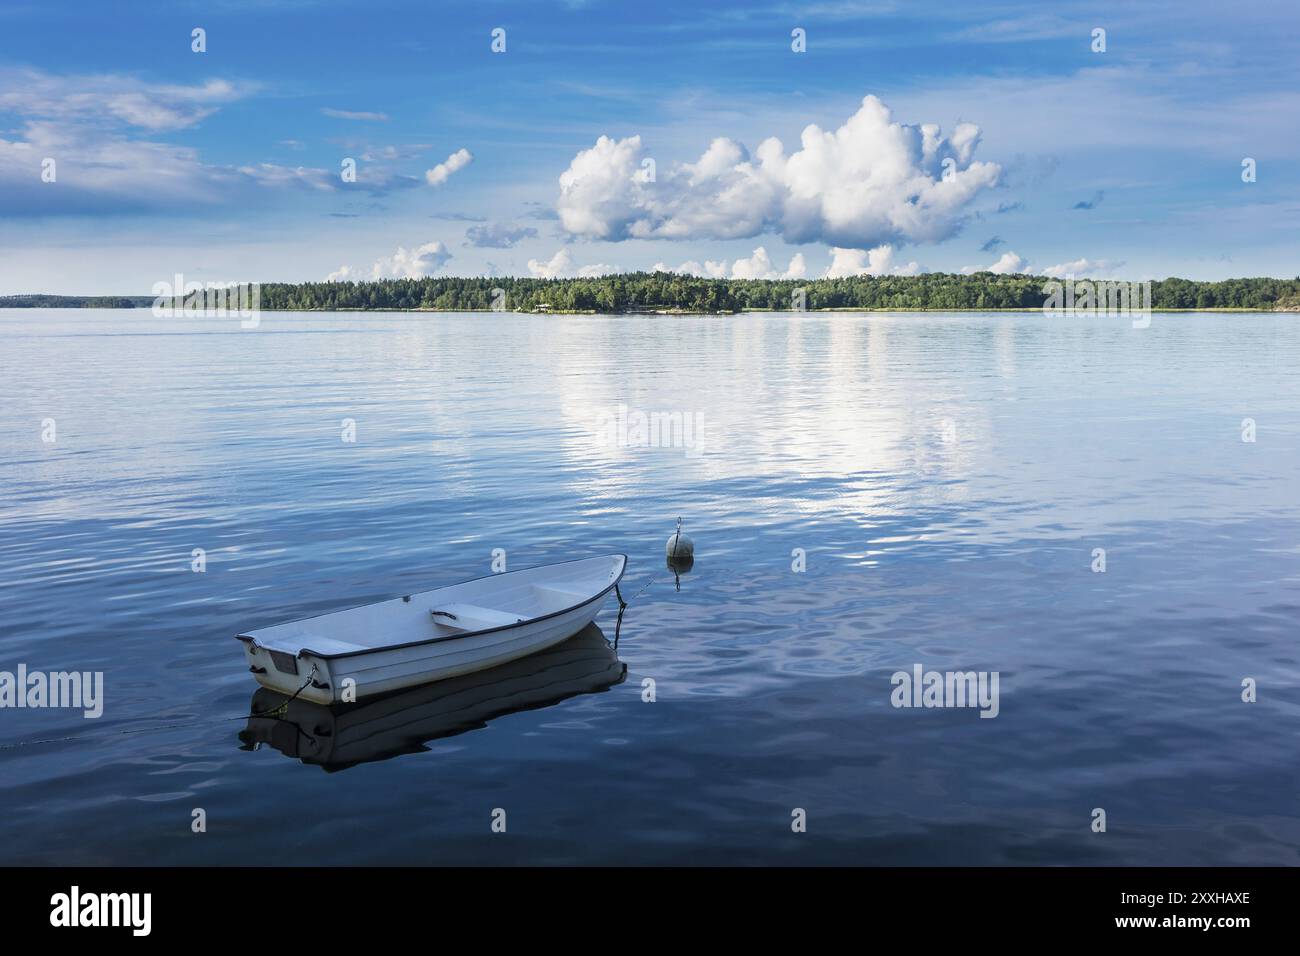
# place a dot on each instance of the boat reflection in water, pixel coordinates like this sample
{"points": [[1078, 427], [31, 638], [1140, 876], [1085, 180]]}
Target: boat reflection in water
{"points": [[339, 736]]}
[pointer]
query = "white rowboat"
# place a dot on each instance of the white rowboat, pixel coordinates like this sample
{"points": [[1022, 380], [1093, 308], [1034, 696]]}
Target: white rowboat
{"points": [[431, 635]]}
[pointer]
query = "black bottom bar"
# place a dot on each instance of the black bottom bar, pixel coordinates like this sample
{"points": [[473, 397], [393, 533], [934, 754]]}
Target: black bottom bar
{"points": [[333, 906]]}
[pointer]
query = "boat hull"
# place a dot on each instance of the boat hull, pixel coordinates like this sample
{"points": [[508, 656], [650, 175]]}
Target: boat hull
{"points": [[352, 676], [384, 671]]}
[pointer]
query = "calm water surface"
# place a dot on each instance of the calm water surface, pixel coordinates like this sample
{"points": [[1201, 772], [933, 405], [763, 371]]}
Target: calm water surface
{"points": [[947, 476]]}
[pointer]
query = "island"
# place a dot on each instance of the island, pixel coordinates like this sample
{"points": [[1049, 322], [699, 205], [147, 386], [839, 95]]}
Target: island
{"points": [[675, 293]]}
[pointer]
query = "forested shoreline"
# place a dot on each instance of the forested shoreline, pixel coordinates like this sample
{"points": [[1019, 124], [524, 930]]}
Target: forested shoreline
{"points": [[75, 301], [673, 292]]}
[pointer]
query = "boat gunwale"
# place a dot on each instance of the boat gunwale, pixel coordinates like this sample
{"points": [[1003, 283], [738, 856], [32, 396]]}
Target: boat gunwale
{"points": [[446, 637]]}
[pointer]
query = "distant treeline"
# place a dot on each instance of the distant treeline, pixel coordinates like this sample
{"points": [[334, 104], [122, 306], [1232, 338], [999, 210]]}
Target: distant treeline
{"points": [[653, 291], [75, 301], [648, 291]]}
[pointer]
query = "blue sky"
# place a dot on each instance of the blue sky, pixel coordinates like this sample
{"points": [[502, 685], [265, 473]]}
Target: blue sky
{"points": [[226, 165]]}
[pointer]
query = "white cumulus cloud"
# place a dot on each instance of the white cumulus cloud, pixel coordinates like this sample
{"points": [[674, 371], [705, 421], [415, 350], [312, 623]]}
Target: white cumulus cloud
{"points": [[757, 266], [453, 163], [562, 266], [1083, 267], [405, 263], [868, 262], [870, 182], [1007, 263], [691, 267]]}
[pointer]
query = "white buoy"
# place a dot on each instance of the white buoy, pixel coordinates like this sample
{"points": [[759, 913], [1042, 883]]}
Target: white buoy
{"points": [[680, 547]]}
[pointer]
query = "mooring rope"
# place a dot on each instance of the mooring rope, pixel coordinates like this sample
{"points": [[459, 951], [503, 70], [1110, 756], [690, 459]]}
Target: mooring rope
{"points": [[284, 703], [118, 733], [653, 579]]}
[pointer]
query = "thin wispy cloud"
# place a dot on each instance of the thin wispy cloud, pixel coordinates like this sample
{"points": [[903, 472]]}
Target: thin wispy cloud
{"points": [[358, 115], [456, 217], [110, 100], [392, 153], [1023, 29], [107, 175], [269, 174]]}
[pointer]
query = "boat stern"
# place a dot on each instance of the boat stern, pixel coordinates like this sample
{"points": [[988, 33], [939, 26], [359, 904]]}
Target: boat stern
{"points": [[302, 675]]}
